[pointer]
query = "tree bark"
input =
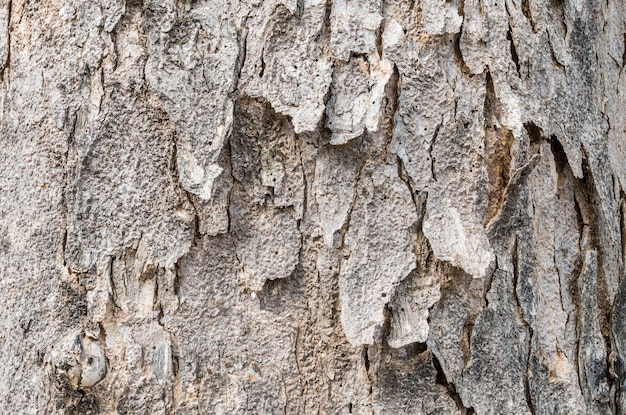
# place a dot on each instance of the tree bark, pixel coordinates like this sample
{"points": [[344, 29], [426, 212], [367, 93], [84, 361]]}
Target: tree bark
{"points": [[312, 207]]}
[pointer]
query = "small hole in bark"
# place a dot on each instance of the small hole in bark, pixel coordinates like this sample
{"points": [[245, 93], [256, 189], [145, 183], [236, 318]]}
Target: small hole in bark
{"points": [[383, 295]]}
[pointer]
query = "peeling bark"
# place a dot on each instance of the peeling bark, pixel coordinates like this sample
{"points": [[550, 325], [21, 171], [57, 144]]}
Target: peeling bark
{"points": [[312, 207]]}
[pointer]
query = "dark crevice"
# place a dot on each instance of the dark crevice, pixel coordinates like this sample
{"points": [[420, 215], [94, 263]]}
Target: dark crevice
{"points": [[71, 169], [323, 36], [488, 283], [402, 174], [560, 158], [514, 56], [412, 350], [529, 330], [297, 346], [365, 356], [113, 294], [229, 149], [458, 55], [197, 234], [262, 71], [346, 225], [241, 59], [442, 380], [430, 149], [137, 5], [620, 376], [175, 364], [379, 40], [390, 107], [529, 14], [176, 282], [299, 8], [624, 53], [498, 142], [384, 332], [365, 351], [555, 61], [305, 182], [7, 63], [535, 133], [64, 240], [468, 328], [461, 11], [87, 404]]}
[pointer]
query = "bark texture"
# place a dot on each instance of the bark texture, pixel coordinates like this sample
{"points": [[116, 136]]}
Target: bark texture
{"points": [[312, 207]]}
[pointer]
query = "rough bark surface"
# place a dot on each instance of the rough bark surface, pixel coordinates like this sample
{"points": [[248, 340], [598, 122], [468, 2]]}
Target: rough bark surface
{"points": [[312, 207]]}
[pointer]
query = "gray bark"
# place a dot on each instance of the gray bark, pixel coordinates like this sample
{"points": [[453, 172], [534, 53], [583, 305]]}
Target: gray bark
{"points": [[312, 207]]}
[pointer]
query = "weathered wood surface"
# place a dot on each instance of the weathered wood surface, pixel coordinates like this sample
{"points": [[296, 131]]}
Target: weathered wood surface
{"points": [[311, 207]]}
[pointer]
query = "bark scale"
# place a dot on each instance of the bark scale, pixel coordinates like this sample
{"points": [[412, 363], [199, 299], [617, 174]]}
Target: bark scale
{"points": [[312, 207]]}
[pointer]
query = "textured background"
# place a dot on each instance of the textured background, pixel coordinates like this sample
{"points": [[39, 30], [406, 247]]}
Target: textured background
{"points": [[312, 207]]}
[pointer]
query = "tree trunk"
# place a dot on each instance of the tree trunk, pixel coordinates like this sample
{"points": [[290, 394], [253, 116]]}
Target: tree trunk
{"points": [[312, 207]]}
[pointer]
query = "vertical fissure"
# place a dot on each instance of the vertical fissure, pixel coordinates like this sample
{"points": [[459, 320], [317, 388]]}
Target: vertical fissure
{"points": [[442, 380], [513, 50], [527, 327], [7, 63]]}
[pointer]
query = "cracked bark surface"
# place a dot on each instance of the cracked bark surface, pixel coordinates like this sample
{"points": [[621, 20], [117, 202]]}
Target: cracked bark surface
{"points": [[312, 207]]}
